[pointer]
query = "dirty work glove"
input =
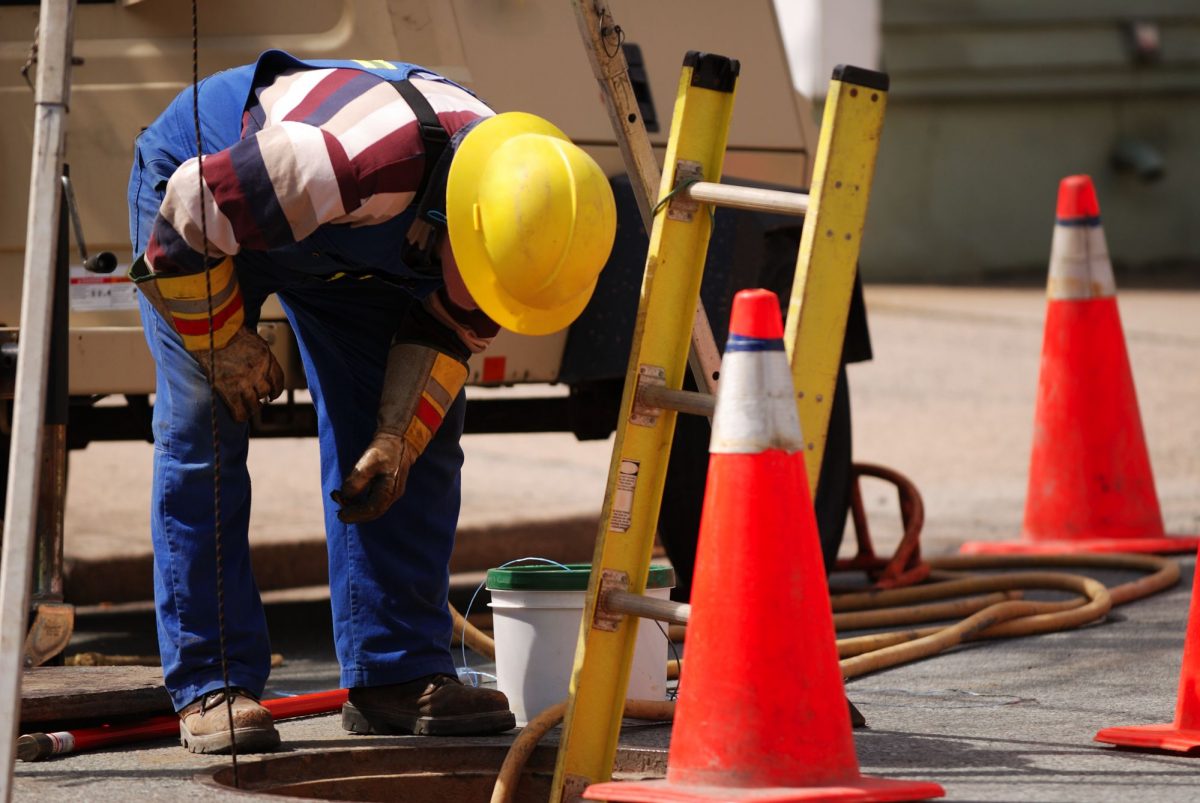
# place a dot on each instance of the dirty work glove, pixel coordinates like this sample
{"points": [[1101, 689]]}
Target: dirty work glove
{"points": [[419, 386], [245, 372]]}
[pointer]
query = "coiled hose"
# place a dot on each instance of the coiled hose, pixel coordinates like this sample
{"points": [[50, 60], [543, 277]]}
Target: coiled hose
{"points": [[992, 604]]}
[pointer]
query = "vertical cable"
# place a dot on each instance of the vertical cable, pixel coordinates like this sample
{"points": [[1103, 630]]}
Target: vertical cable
{"points": [[212, 393]]}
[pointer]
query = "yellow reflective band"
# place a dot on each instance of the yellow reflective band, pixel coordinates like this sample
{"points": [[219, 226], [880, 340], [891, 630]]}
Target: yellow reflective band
{"points": [[446, 378], [202, 314], [450, 374], [438, 396], [221, 335], [418, 435], [194, 287]]}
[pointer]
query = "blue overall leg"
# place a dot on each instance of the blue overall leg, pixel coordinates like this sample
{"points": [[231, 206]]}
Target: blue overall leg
{"points": [[182, 531], [182, 493], [389, 578]]}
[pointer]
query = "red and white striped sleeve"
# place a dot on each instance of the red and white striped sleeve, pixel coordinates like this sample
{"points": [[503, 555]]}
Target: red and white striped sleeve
{"points": [[336, 146]]}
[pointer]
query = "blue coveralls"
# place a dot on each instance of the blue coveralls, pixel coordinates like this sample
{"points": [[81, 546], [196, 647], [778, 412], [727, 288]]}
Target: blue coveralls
{"points": [[388, 578]]}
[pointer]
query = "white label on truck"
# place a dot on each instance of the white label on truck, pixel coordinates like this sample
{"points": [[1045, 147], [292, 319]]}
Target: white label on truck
{"points": [[92, 292], [622, 509]]}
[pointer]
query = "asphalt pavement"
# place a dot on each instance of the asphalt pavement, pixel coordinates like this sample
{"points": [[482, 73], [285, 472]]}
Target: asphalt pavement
{"points": [[948, 401]]}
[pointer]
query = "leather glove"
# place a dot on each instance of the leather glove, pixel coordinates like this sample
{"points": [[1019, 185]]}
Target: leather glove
{"points": [[245, 371], [419, 386], [246, 374]]}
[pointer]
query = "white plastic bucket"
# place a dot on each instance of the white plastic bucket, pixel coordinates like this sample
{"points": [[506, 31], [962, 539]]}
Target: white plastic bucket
{"points": [[536, 612]]}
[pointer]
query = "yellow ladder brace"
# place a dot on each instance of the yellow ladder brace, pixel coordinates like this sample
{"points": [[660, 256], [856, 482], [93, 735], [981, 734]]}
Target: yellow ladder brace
{"points": [[670, 290], [829, 247]]}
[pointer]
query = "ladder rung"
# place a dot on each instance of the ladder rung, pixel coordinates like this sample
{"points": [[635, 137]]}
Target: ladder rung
{"points": [[757, 199], [682, 401], [664, 610]]}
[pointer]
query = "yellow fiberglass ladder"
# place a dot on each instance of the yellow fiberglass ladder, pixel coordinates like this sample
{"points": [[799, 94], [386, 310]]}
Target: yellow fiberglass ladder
{"points": [[835, 212]]}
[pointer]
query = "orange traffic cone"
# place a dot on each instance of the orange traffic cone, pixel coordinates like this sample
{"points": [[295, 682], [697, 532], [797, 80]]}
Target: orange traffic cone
{"points": [[760, 717], [1091, 488], [1183, 734]]}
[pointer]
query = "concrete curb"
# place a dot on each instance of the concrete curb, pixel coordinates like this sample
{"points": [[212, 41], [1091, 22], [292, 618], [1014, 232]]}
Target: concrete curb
{"points": [[294, 564]]}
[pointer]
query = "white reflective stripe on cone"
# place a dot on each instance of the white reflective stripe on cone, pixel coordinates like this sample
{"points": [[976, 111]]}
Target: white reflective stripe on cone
{"points": [[756, 406], [1079, 263]]}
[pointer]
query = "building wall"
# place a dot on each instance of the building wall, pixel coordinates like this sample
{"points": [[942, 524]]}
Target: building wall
{"points": [[993, 101]]}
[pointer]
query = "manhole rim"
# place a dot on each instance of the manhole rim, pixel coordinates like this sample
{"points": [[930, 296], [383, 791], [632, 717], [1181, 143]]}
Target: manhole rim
{"points": [[541, 761]]}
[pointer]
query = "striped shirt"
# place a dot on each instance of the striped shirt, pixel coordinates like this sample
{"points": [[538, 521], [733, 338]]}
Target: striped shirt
{"points": [[320, 146]]}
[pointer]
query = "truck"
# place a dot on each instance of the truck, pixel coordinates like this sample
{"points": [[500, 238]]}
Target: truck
{"points": [[133, 56]]}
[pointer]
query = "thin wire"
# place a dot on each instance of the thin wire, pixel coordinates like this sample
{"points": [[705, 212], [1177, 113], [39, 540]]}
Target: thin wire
{"points": [[671, 693], [609, 28], [31, 60], [472, 673], [212, 394], [680, 187]]}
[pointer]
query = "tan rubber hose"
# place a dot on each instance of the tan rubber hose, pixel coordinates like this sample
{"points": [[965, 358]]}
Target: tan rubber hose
{"points": [[1162, 573], [912, 614], [862, 610], [474, 638], [527, 740], [1000, 614], [976, 626]]}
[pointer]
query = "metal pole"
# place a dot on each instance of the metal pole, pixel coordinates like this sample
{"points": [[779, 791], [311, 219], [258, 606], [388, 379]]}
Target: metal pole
{"points": [[48, 549], [651, 397], [24, 474], [664, 610], [755, 199], [52, 621]]}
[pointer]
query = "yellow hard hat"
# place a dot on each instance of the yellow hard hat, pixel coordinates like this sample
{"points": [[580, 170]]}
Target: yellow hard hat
{"points": [[531, 219]]}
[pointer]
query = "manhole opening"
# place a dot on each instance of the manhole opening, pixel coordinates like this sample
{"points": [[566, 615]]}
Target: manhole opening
{"points": [[445, 771]]}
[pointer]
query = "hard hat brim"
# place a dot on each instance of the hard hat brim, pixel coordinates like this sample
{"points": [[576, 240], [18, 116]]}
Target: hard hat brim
{"points": [[467, 242]]}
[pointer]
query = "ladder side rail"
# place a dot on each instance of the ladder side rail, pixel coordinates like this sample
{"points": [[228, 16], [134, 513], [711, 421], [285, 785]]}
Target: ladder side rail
{"points": [[24, 474], [830, 242], [670, 290]]}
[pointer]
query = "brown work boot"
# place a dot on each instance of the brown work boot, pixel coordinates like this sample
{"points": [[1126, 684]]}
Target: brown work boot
{"points": [[204, 724], [435, 705]]}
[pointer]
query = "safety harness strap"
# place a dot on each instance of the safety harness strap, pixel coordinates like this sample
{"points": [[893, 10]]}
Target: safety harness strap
{"points": [[433, 135]]}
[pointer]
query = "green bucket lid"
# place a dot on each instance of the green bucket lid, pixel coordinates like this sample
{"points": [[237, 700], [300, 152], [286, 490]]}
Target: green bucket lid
{"points": [[556, 578]]}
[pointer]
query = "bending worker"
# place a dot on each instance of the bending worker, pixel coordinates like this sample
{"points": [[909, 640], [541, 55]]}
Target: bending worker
{"points": [[400, 222]]}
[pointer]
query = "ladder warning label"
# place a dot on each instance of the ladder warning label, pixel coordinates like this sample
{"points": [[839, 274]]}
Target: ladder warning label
{"points": [[92, 293], [622, 509]]}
